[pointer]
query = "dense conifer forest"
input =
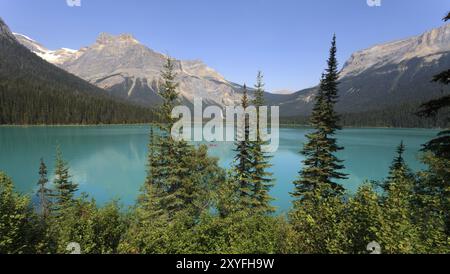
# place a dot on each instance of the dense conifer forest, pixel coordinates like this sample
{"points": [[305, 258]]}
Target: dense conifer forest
{"points": [[33, 91], [401, 116]]}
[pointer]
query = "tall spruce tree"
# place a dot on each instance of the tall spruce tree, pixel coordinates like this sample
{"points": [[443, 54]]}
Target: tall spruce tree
{"points": [[169, 94], [322, 167], [261, 177], [169, 169], [180, 175], [243, 159], [44, 193], [398, 233], [65, 189], [399, 169], [399, 162]]}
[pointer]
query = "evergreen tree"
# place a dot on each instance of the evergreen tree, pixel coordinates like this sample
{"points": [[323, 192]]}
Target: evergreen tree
{"points": [[261, 177], [321, 164], [243, 160], [228, 196], [172, 169], [399, 162], [169, 94], [44, 193], [399, 234], [152, 189], [152, 157], [399, 175], [64, 187], [149, 219], [180, 176], [399, 169]]}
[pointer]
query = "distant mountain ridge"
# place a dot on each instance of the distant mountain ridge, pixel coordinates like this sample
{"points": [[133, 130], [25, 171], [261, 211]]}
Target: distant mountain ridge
{"points": [[385, 75], [382, 76]]}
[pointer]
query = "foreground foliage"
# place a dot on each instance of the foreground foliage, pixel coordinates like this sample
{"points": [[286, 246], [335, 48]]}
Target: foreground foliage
{"points": [[404, 219], [189, 205]]}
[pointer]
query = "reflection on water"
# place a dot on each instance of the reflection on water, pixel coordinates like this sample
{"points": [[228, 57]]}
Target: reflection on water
{"points": [[109, 161]]}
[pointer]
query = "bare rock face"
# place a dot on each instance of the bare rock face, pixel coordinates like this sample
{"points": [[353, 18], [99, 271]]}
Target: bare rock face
{"points": [[430, 46], [128, 69]]}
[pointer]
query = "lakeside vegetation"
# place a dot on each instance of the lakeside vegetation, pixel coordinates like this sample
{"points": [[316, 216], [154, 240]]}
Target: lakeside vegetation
{"points": [[188, 204]]}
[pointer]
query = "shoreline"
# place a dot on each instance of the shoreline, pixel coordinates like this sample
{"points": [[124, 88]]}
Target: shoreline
{"points": [[154, 124]]}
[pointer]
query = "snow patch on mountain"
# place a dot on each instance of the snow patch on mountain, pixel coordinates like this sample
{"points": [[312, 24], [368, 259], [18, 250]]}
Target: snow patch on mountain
{"points": [[57, 57]]}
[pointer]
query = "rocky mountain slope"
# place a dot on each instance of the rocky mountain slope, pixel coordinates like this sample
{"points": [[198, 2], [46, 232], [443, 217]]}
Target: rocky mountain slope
{"points": [[385, 75], [130, 70]]}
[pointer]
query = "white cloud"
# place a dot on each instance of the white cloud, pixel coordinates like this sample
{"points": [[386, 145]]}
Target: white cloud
{"points": [[73, 3]]}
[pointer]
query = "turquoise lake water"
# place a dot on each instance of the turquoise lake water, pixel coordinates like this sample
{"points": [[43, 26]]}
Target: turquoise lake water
{"points": [[108, 162]]}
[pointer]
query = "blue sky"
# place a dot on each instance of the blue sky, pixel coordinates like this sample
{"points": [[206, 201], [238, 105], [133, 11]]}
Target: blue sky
{"points": [[287, 39]]}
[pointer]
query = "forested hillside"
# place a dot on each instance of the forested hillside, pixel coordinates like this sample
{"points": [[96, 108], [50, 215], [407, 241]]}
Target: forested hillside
{"points": [[401, 116], [33, 91]]}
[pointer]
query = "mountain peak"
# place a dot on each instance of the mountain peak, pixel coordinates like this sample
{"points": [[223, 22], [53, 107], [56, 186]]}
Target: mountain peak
{"points": [[106, 38], [5, 32]]}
